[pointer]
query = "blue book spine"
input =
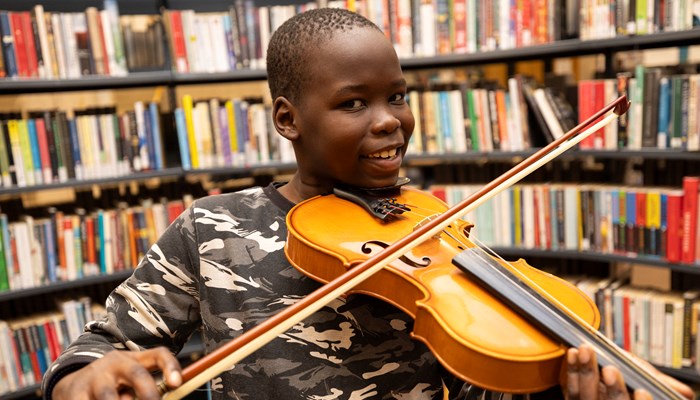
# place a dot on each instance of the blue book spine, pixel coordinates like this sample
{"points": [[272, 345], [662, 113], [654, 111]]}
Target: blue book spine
{"points": [[157, 139], [241, 108], [101, 240], [78, 249], [50, 249], [150, 143], [181, 129], [631, 220], [445, 140], [229, 42], [4, 225], [664, 225], [8, 44], [615, 218], [225, 135], [664, 112], [75, 147], [34, 146]]}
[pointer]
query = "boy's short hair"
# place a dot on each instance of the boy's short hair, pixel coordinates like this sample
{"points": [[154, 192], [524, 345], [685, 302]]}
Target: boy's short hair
{"points": [[287, 51]]}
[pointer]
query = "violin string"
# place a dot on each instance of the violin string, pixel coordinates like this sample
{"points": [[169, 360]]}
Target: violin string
{"points": [[599, 336]]}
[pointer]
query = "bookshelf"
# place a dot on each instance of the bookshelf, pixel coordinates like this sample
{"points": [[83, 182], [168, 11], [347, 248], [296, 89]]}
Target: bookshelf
{"points": [[426, 167]]}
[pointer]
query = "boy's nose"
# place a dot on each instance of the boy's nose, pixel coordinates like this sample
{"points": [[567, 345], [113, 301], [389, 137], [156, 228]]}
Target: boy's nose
{"points": [[385, 122]]}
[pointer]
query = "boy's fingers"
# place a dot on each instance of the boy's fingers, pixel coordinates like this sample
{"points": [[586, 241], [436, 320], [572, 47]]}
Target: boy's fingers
{"points": [[572, 379], [615, 388], [161, 359], [589, 377], [642, 394]]}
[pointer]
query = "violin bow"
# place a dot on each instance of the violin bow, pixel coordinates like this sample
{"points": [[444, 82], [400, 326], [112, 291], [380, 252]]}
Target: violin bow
{"points": [[222, 359]]}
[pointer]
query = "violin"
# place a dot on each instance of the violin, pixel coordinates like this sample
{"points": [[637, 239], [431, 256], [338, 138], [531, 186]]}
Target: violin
{"points": [[479, 314], [471, 332]]}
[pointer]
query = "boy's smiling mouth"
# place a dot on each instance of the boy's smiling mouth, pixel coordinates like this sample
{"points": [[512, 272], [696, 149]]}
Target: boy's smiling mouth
{"points": [[384, 154]]}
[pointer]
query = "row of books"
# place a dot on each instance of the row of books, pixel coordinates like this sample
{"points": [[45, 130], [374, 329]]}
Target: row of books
{"points": [[56, 146], [101, 42], [663, 110], [53, 45], [462, 119], [610, 18], [29, 345], [66, 247], [660, 327], [652, 221], [231, 132]]}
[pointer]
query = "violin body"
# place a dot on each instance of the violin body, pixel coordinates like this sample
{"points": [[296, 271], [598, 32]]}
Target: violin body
{"points": [[474, 335]]}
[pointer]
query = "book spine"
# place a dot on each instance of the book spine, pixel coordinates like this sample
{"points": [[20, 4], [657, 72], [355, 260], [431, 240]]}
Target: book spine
{"points": [[691, 186]]}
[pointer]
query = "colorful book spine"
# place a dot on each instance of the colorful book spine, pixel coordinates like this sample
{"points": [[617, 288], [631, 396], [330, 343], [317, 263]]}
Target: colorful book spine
{"points": [[691, 186], [157, 136], [187, 107], [181, 128]]}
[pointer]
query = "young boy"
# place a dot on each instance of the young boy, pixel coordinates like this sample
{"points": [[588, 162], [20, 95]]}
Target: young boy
{"points": [[339, 97]]}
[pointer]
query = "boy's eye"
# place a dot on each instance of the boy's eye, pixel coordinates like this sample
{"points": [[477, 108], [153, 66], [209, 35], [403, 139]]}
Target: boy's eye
{"points": [[398, 98], [352, 104]]}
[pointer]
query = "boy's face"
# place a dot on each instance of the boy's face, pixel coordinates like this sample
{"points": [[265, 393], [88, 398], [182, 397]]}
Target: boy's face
{"points": [[353, 122]]}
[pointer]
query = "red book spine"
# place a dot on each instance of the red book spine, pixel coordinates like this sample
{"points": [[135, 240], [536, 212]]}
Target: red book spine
{"points": [[641, 222], [626, 329], [598, 102], [105, 57], [440, 193], [674, 230], [43, 149], [460, 20], [28, 32], [585, 110], [53, 348], [90, 238], [20, 46], [175, 208], [691, 185], [178, 39]]}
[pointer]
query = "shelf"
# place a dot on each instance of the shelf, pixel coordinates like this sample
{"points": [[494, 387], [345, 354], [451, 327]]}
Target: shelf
{"points": [[60, 286], [516, 156], [591, 256], [562, 48], [93, 82], [412, 160], [217, 77], [176, 172], [258, 169]]}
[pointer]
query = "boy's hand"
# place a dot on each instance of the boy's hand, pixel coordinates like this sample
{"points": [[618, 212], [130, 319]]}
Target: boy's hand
{"points": [[120, 375], [585, 382]]}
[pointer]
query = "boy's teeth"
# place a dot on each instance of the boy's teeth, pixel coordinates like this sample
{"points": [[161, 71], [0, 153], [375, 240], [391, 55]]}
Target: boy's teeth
{"points": [[383, 154]]}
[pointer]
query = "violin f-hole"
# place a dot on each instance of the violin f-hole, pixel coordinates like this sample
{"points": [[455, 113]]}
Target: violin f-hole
{"points": [[424, 262]]}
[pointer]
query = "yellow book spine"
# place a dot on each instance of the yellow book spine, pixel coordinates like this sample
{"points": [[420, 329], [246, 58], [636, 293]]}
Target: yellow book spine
{"points": [[233, 132], [26, 147], [13, 133], [189, 121]]}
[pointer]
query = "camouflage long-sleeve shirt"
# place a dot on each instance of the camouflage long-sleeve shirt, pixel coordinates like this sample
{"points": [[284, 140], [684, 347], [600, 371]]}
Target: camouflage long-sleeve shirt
{"points": [[221, 266]]}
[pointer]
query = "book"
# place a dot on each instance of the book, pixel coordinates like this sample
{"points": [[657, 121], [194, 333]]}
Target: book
{"points": [[691, 186], [8, 44]]}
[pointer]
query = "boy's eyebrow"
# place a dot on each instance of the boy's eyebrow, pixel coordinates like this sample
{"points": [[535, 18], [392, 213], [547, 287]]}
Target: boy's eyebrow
{"points": [[356, 88]]}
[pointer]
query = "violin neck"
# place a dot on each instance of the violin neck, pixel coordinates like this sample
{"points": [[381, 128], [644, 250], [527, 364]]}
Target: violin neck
{"points": [[560, 325]]}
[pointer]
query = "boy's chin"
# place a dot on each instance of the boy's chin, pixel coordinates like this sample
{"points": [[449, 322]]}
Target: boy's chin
{"points": [[381, 183]]}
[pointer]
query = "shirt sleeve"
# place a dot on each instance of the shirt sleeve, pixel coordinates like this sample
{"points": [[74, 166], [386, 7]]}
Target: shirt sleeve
{"points": [[158, 305]]}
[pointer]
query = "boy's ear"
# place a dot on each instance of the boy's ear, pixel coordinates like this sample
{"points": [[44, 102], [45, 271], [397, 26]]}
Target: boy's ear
{"points": [[283, 118]]}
